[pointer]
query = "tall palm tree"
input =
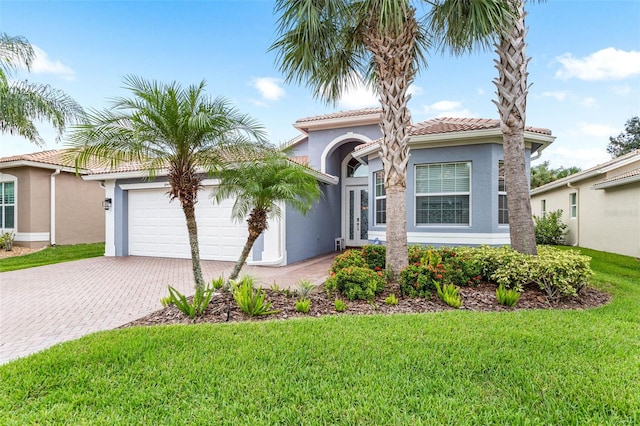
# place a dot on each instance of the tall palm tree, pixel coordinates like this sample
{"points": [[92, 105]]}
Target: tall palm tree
{"points": [[329, 44], [512, 106], [260, 187], [166, 126], [22, 102]]}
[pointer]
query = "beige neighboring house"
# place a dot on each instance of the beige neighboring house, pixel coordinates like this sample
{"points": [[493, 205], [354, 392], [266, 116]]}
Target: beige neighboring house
{"points": [[43, 202], [600, 205]]}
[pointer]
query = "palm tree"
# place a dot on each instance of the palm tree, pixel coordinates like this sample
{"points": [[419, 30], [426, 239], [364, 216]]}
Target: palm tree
{"points": [[22, 103], [260, 187], [330, 44], [166, 126], [512, 106]]}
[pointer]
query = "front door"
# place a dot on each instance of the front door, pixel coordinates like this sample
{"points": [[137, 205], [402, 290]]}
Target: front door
{"points": [[357, 203]]}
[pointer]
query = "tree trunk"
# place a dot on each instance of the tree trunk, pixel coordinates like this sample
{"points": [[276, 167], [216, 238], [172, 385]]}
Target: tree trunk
{"points": [[393, 57], [257, 224], [512, 106], [192, 228]]}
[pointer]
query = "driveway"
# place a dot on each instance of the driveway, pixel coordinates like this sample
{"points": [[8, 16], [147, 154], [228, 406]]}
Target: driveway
{"points": [[40, 307]]}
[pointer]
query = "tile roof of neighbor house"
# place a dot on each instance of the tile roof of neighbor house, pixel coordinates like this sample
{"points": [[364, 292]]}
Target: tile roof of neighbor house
{"points": [[54, 157], [596, 170], [444, 125], [341, 114]]}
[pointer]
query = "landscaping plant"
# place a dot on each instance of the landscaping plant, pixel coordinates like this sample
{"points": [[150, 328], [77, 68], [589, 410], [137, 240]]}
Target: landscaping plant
{"points": [[304, 288], [356, 282], [507, 296], [251, 301], [347, 259], [198, 304], [391, 299], [339, 305], [549, 228], [374, 256], [449, 294], [303, 306]]}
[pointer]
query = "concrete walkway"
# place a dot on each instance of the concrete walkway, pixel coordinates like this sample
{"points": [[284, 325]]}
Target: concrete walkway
{"points": [[40, 307]]}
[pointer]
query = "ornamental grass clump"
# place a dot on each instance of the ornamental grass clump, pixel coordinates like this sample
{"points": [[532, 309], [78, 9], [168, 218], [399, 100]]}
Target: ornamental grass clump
{"points": [[251, 301], [339, 305], [448, 293], [303, 306], [193, 308], [507, 296]]}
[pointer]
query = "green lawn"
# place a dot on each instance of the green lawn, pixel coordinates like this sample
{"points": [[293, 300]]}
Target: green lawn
{"points": [[52, 255], [456, 367]]}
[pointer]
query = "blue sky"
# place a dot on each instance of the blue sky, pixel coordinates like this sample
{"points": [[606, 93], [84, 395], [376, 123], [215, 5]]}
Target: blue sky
{"points": [[584, 71]]}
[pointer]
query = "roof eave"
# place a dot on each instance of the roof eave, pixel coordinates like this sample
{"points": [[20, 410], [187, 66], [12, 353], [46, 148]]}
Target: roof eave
{"points": [[618, 182], [334, 123], [36, 164]]}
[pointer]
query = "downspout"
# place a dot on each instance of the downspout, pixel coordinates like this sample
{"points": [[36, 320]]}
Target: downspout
{"points": [[577, 244], [52, 208]]}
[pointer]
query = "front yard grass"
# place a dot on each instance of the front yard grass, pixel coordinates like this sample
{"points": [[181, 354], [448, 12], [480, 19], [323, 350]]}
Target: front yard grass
{"points": [[456, 367], [51, 255]]}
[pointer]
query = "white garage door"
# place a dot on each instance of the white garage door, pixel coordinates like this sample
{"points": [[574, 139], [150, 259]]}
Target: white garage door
{"points": [[158, 227]]}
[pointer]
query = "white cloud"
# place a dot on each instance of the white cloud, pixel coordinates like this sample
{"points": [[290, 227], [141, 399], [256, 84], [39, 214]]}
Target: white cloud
{"points": [[598, 130], [445, 108], [605, 64], [621, 90], [269, 88], [557, 95], [589, 102], [414, 90], [480, 91], [574, 157], [359, 96], [42, 64]]}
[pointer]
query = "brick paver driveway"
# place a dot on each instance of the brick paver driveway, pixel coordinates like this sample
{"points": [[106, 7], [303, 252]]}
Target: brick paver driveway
{"points": [[42, 306]]}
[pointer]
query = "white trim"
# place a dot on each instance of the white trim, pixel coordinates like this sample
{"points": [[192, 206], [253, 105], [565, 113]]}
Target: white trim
{"points": [[159, 185], [338, 122], [463, 238], [14, 179], [339, 141], [52, 209], [110, 218], [32, 236]]}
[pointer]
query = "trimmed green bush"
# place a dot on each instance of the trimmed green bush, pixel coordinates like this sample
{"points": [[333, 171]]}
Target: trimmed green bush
{"points": [[374, 256], [549, 228], [356, 282], [347, 259]]}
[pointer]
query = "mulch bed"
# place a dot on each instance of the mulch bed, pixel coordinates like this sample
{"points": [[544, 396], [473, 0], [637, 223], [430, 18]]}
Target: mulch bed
{"points": [[479, 298]]}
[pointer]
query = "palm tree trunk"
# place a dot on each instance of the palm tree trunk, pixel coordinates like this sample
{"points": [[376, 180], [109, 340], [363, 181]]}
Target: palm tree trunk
{"points": [[393, 57], [192, 228], [257, 223], [512, 106]]}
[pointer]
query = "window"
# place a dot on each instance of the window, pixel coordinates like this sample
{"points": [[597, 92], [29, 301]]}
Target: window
{"points": [[356, 169], [543, 207], [381, 198], [503, 212], [442, 193], [7, 205], [573, 197]]}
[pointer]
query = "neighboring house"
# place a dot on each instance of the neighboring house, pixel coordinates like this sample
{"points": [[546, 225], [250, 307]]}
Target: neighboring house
{"points": [[43, 202], [600, 205], [455, 194]]}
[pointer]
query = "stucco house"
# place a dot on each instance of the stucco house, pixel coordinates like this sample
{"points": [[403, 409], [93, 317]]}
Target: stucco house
{"points": [[43, 202], [600, 205], [455, 194]]}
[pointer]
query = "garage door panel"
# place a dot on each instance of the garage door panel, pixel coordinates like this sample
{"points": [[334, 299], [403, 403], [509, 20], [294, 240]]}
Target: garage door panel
{"points": [[158, 227]]}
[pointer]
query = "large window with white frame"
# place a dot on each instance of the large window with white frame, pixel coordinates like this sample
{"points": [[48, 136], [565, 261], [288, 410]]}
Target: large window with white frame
{"points": [[443, 193], [503, 211], [7, 204], [380, 212]]}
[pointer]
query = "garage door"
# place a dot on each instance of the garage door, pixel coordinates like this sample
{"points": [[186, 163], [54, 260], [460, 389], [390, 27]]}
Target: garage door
{"points": [[158, 227]]}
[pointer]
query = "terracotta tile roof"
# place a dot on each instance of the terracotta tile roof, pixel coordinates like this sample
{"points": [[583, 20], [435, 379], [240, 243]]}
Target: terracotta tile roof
{"points": [[300, 159], [341, 114], [54, 157], [454, 125], [626, 175]]}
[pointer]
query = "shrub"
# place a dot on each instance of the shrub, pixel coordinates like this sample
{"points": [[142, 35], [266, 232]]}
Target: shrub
{"points": [[251, 301], [198, 304], [549, 228], [356, 282], [449, 294], [304, 288], [347, 259], [339, 305], [374, 256], [391, 299], [417, 252], [507, 297], [561, 273], [303, 306], [417, 280]]}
